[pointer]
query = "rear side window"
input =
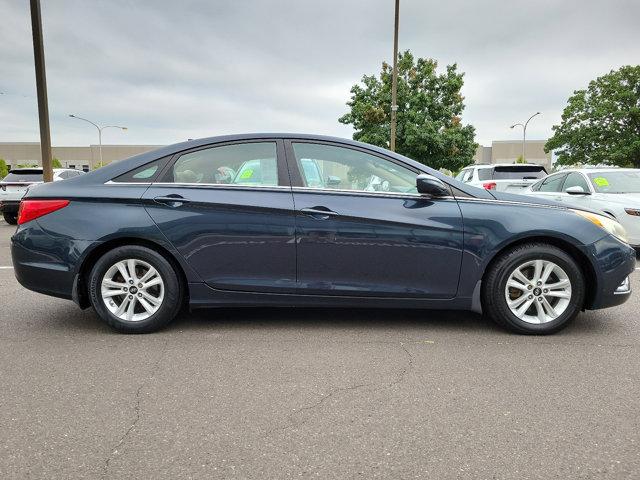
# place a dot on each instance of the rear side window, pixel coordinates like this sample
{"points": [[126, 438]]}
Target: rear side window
{"points": [[552, 184], [24, 176], [145, 174], [252, 164], [484, 174], [519, 173]]}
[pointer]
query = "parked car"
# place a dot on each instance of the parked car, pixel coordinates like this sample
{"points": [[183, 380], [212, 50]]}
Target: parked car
{"points": [[502, 177], [137, 241], [16, 183], [612, 191]]}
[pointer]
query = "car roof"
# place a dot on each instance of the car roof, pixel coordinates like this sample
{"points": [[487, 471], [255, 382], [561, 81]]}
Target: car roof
{"points": [[517, 165]]}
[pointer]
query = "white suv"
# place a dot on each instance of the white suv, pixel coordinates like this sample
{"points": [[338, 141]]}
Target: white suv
{"points": [[502, 177], [15, 185]]}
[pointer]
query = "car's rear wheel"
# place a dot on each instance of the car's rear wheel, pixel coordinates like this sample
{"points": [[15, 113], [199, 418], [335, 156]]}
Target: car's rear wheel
{"points": [[10, 218], [534, 289], [135, 289]]}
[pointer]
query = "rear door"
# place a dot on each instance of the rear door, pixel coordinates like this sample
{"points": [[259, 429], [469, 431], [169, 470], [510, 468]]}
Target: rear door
{"points": [[228, 209], [363, 230], [551, 187]]}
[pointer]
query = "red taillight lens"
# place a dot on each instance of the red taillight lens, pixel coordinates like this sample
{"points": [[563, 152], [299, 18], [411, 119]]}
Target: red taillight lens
{"points": [[489, 185], [32, 209]]}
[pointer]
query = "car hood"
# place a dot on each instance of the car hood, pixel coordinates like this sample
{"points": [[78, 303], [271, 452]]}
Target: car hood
{"points": [[514, 197]]}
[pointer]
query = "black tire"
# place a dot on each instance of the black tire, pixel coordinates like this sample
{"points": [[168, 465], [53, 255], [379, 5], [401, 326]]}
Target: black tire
{"points": [[10, 218], [494, 302], [173, 289]]}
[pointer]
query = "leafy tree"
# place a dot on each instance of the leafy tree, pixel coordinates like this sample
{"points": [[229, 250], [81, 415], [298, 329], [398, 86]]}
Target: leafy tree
{"points": [[601, 125], [520, 159], [56, 163], [27, 165], [3, 168], [430, 105]]}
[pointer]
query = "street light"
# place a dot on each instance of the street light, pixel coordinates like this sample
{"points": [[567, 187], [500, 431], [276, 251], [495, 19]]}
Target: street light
{"points": [[524, 133], [99, 131]]}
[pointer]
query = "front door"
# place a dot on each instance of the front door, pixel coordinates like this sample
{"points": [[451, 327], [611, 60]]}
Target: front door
{"points": [[363, 230], [228, 209]]}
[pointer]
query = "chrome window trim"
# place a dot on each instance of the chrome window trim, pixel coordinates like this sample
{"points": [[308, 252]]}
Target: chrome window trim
{"points": [[221, 186], [338, 191], [143, 184]]}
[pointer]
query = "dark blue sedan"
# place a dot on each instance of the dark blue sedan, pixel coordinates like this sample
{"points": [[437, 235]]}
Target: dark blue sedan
{"points": [[278, 219]]}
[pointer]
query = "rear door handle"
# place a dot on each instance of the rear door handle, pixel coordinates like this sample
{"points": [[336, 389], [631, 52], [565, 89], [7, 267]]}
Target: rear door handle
{"points": [[320, 213], [171, 200]]}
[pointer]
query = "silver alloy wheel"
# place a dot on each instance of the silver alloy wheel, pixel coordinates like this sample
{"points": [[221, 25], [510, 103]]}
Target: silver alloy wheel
{"points": [[132, 290], [538, 291]]}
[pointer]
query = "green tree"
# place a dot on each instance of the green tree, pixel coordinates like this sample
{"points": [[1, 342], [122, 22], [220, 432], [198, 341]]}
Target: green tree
{"points": [[430, 105], [56, 163], [27, 165], [3, 168], [601, 125]]}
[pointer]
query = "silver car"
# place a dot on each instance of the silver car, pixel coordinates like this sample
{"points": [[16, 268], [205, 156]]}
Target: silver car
{"points": [[613, 191]]}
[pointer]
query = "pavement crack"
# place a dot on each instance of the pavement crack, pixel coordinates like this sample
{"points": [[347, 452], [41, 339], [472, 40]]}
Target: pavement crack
{"points": [[137, 409], [407, 368], [291, 420]]}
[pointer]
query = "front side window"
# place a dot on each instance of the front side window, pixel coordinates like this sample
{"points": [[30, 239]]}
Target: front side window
{"points": [[552, 183], [575, 180], [252, 164], [340, 168]]}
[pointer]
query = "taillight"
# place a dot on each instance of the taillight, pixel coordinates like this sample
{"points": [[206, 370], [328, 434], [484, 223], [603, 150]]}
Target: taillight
{"points": [[489, 185], [32, 209]]}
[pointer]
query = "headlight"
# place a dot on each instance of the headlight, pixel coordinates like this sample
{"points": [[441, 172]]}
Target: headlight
{"points": [[606, 223]]}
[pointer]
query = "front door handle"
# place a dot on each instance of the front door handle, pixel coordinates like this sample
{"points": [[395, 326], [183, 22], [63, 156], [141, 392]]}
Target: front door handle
{"points": [[172, 200], [320, 213]]}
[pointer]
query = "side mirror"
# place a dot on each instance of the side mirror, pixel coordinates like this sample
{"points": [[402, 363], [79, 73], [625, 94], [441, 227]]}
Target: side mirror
{"points": [[430, 185], [576, 190]]}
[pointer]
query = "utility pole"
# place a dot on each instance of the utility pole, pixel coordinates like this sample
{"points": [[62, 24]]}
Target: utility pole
{"points": [[394, 81], [41, 86], [524, 134]]}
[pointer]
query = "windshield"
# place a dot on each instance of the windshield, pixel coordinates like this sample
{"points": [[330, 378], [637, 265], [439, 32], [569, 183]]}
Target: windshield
{"points": [[616, 182], [24, 176], [519, 173]]}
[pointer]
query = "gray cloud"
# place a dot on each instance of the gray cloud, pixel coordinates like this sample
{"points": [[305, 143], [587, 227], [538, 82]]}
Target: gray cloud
{"points": [[172, 70]]}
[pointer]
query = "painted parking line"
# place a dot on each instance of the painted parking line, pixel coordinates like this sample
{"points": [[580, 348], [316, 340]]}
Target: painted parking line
{"points": [[5, 268]]}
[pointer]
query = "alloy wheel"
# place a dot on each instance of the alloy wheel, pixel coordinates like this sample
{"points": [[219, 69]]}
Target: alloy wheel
{"points": [[132, 290], [538, 291]]}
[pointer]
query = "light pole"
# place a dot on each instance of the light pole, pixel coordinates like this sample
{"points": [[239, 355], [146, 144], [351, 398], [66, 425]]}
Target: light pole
{"points": [[394, 80], [524, 133], [100, 129]]}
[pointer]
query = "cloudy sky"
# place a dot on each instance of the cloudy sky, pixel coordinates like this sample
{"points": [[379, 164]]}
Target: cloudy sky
{"points": [[171, 70]]}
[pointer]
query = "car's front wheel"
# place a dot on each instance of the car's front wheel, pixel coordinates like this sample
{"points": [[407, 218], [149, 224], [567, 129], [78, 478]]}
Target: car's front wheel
{"points": [[534, 289], [10, 218], [135, 289]]}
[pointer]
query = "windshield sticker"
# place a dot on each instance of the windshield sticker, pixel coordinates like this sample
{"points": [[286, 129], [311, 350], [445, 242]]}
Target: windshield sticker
{"points": [[246, 174], [601, 181]]}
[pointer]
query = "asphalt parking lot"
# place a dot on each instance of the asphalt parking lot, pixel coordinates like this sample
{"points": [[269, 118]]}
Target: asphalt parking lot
{"points": [[314, 393]]}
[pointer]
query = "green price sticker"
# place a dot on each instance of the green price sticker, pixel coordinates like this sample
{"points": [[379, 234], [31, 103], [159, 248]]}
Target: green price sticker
{"points": [[246, 174], [601, 181]]}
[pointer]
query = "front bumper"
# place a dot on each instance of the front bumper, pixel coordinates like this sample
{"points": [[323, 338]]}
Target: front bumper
{"points": [[613, 262], [9, 206]]}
